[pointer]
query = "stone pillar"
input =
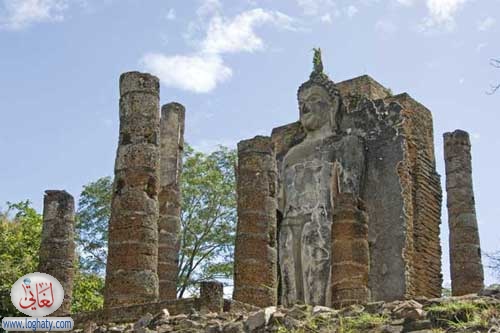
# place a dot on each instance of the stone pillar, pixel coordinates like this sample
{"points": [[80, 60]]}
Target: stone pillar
{"points": [[57, 247], [131, 272], [255, 264], [350, 252], [211, 296], [465, 250], [169, 224]]}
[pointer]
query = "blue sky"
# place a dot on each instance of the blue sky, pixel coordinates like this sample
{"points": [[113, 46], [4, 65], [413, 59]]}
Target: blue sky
{"points": [[236, 66]]}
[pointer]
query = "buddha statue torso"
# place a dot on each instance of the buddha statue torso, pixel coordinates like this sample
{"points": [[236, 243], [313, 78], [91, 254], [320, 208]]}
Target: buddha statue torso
{"points": [[312, 173]]}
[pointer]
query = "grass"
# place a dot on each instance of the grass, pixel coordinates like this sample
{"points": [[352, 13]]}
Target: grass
{"points": [[361, 323], [462, 315], [356, 324]]}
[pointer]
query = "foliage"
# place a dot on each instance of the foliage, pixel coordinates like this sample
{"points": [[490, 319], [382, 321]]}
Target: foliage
{"points": [[20, 233], [87, 292], [94, 210], [495, 63], [361, 323], [317, 62], [445, 292], [494, 263], [208, 217], [462, 315]]}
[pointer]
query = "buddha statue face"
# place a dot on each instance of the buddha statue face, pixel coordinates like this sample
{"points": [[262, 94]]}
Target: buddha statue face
{"points": [[317, 109]]}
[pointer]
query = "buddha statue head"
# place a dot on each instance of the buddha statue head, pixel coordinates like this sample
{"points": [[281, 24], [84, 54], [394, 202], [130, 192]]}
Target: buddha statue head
{"points": [[319, 100]]}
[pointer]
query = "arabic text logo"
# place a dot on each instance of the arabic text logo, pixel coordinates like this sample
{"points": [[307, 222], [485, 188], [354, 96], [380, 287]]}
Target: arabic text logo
{"points": [[37, 294]]}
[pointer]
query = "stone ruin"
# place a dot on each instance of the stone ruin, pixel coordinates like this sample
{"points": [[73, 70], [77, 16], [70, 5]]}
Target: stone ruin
{"points": [[354, 189], [340, 207]]}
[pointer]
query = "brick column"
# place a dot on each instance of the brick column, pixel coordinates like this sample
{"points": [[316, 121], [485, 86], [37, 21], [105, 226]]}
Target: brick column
{"points": [[465, 250], [169, 224], [211, 296], [131, 272], [57, 247], [350, 252], [255, 264]]}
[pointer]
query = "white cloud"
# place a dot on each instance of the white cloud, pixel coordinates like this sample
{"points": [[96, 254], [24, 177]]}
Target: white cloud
{"points": [[197, 73], [351, 11], [486, 24], [238, 35], [171, 15], [441, 14], [443, 11], [327, 9], [19, 14], [201, 71], [327, 18], [209, 7]]}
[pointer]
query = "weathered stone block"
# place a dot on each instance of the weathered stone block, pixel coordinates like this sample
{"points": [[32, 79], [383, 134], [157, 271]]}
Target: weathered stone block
{"points": [[255, 251], [57, 246], [169, 224], [465, 251], [211, 296], [131, 272]]}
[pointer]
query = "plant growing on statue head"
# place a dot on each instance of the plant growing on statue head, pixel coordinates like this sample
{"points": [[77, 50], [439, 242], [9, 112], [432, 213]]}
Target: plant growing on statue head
{"points": [[317, 61], [208, 218], [317, 73]]}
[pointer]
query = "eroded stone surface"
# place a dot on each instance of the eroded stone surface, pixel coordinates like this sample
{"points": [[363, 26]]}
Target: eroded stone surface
{"points": [[131, 272], [255, 266], [350, 252], [171, 149], [467, 275], [398, 183], [403, 317], [211, 296], [57, 246], [312, 173]]}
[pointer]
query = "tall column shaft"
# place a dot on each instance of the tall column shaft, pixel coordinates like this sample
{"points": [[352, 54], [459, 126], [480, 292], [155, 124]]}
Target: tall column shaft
{"points": [[350, 252], [255, 264], [169, 224], [57, 247], [465, 251], [131, 272]]}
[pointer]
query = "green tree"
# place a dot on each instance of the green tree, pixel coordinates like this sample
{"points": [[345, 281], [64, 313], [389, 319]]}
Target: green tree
{"points": [[208, 218], [88, 292], [20, 232], [94, 209]]}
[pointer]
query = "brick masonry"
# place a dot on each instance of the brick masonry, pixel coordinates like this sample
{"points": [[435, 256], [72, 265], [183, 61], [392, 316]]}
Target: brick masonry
{"points": [[465, 250], [255, 266], [169, 224], [350, 252], [131, 272], [401, 191], [57, 247]]}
